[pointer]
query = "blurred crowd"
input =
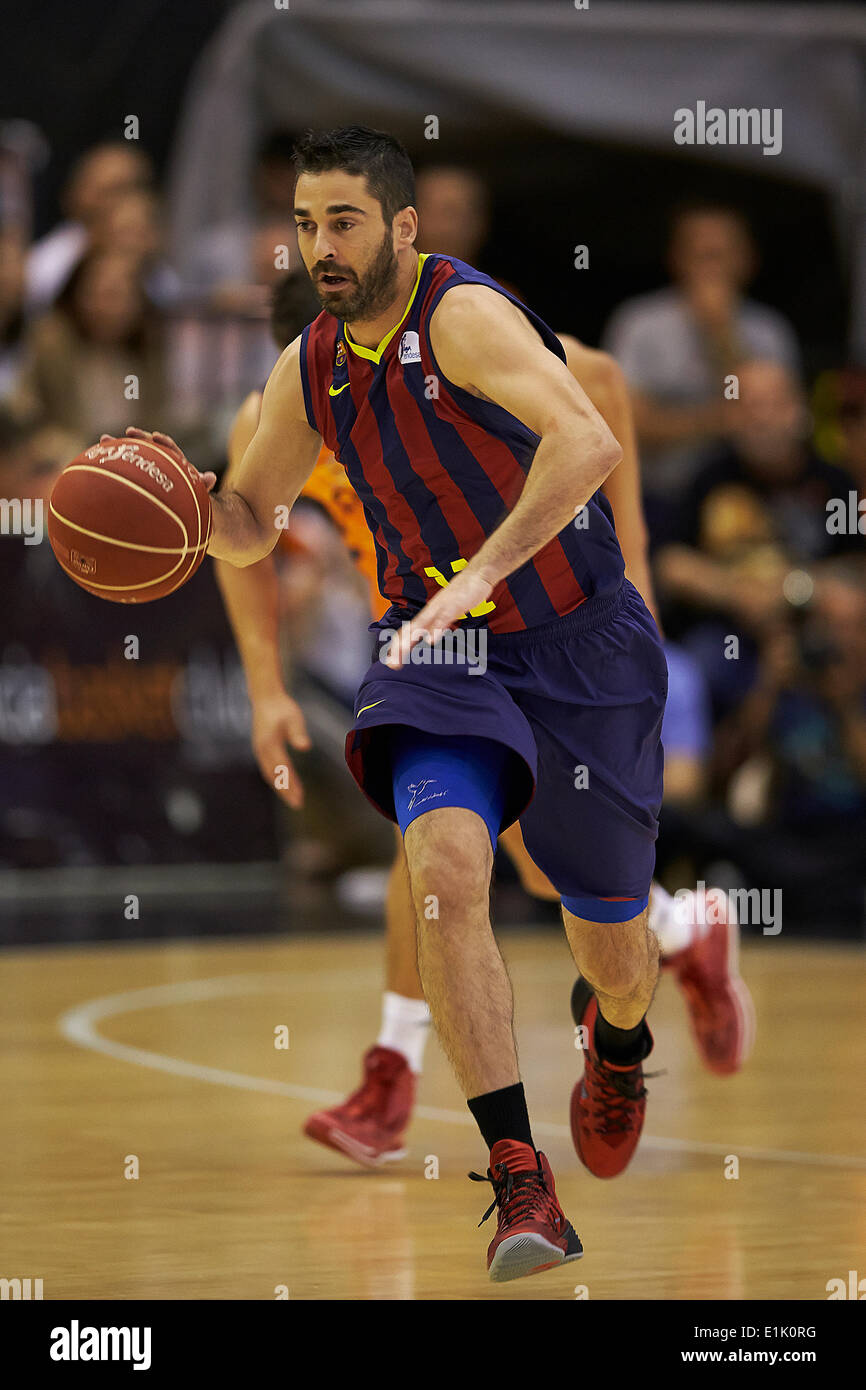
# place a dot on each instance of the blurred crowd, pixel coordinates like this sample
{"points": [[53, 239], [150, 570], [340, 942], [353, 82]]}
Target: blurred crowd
{"points": [[753, 478]]}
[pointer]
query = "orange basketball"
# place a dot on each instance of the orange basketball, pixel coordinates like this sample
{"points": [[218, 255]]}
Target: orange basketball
{"points": [[128, 521]]}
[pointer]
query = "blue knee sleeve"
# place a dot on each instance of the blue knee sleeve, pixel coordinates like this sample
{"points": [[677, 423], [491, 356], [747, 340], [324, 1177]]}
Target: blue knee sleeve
{"points": [[433, 770], [606, 909]]}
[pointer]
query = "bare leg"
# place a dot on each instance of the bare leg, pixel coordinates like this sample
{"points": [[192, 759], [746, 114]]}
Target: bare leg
{"points": [[620, 961], [533, 880], [401, 948], [464, 977]]}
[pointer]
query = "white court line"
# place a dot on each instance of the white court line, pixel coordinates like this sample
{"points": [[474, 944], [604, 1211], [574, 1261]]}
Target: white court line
{"points": [[78, 1025]]}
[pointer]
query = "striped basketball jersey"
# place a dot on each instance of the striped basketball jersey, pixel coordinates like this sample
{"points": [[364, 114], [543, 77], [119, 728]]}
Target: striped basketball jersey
{"points": [[437, 469], [328, 486]]}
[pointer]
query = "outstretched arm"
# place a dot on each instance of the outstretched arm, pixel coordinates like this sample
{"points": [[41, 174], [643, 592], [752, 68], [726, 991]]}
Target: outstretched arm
{"points": [[276, 464]]}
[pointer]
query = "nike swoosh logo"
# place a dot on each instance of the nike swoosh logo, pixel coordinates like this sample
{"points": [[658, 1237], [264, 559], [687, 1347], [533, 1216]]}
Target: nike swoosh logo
{"points": [[332, 392], [373, 706]]}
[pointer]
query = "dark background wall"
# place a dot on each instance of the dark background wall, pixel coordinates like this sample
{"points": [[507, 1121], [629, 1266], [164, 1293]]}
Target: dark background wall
{"points": [[551, 194], [76, 69]]}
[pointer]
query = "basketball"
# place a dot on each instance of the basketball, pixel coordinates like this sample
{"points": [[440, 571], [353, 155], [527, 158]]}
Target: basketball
{"points": [[128, 521]]}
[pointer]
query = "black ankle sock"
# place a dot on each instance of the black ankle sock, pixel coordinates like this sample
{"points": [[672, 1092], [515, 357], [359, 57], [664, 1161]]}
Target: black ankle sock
{"points": [[623, 1046], [502, 1115]]}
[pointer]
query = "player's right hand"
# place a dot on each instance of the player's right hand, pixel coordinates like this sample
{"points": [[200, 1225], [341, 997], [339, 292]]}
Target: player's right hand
{"points": [[278, 724]]}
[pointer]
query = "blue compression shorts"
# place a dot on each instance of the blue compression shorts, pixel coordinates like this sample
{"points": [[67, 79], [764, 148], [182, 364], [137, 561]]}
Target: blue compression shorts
{"points": [[434, 770]]}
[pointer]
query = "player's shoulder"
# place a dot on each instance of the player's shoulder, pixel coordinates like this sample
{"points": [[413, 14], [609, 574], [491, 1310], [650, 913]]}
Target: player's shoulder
{"points": [[471, 319], [468, 299]]}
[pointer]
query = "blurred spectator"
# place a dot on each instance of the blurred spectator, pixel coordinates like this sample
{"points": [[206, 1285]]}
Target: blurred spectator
{"points": [[678, 344], [95, 363], [453, 211], [23, 151], [11, 308], [231, 263], [686, 729], [102, 174], [799, 817], [687, 740], [131, 224], [852, 428], [757, 508], [30, 459]]}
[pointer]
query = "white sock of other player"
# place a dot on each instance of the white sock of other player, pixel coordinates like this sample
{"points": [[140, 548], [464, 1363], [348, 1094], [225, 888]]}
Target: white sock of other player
{"points": [[679, 921], [405, 1027]]}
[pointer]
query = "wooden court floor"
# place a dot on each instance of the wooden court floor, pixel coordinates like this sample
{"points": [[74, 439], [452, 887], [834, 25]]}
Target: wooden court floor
{"points": [[165, 1054]]}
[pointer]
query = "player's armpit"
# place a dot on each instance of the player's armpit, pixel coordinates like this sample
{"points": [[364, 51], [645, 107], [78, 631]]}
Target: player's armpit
{"points": [[249, 514]]}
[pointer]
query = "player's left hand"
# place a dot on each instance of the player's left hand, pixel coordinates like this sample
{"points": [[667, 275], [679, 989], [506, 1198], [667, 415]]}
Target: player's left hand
{"points": [[465, 591]]}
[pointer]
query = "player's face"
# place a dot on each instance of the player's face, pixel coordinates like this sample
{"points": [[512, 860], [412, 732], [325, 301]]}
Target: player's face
{"points": [[348, 250]]}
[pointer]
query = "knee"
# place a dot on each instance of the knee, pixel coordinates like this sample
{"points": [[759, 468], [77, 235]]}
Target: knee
{"points": [[449, 870], [618, 960]]}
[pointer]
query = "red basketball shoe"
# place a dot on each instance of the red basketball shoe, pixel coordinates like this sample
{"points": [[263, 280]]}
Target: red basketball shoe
{"points": [[532, 1232], [721, 1012], [608, 1103], [370, 1126]]}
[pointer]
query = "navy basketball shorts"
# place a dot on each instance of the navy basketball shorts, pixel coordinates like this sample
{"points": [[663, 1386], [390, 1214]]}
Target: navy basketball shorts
{"points": [[575, 707]]}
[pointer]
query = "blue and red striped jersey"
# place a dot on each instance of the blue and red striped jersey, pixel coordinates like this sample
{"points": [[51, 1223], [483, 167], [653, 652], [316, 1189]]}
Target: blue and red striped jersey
{"points": [[437, 469]]}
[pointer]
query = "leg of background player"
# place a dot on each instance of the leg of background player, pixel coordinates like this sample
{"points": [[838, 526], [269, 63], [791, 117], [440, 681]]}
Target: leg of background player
{"points": [[370, 1125], [536, 883], [699, 942], [618, 964], [401, 947]]}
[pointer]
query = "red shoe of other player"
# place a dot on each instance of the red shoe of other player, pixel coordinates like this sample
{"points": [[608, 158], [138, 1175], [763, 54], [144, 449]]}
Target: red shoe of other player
{"points": [[370, 1126], [532, 1233], [608, 1103], [721, 1011]]}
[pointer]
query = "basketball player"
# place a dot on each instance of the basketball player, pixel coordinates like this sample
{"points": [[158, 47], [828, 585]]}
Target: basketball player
{"points": [[370, 1126], [475, 453]]}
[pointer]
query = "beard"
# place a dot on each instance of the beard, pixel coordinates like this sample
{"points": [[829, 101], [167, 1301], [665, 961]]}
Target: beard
{"points": [[371, 293]]}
